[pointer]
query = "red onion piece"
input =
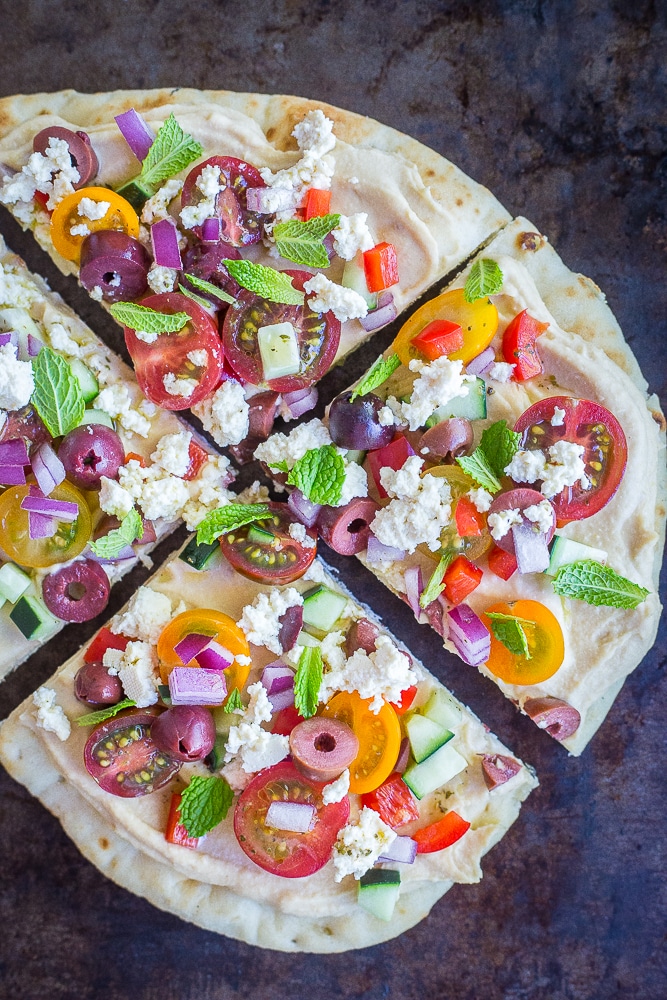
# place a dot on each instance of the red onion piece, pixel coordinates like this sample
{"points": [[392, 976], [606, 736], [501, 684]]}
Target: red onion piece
{"points": [[403, 756], [11, 337], [164, 238], [277, 676], [470, 635], [191, 686], [378, 552], [380, 317], [41, 525], [136, 133], [414, 585], [14, 452], [282, 699], [296, 817], [530, 548], [126, 555], [403, 850], [385, 298], [210, 230], [481, 362], [304, 509], [215, 657], [191, 645], [61, 509], [12, 475], [300, 401], [48, 469], [34, 346]]}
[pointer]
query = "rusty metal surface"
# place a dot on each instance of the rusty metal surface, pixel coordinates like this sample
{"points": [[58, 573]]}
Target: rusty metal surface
{"points": [[559, 109]]}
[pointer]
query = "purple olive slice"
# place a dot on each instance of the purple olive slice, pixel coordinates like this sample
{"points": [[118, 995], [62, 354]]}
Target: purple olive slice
{"points": [[94, 685], [81, 152], [558, 718], [321, 748], [205, 261], [185, 732], [346, 529], [89, 452], [361, 635], [78, 592], [115, 263], [497, 769], [355, 423], [448, 439], [290, 626]]}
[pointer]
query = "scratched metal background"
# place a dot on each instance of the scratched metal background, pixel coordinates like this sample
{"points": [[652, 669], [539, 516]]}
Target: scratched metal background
{"points": [[559, 108]]}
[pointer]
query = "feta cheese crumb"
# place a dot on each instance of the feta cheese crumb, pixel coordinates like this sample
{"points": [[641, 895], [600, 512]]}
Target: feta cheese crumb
{"points": [[179, 386], [259, 707], [116, 401], [137, 668], [352, 236], [209, 186], [198, 358], [438, 383], [260, 620], [96, 293], [290, 448], [541, 514], [161, 279], [386, 416], [156, 208], [173, 453], [380, 676], [500, 523], [62, 341], [315, 139], [257, 748], [419, 510], [255, 493], [299, 534], [93, 210], [50, 716], [16, 380], [336, 790], [558, 418], [343, 302], [481, 498], [145, 617], [500, 371], [360, 844], [355, 483], [156, 492], [226, 414], [564, 468], [81, 229], [51, 172], [113, 499]]}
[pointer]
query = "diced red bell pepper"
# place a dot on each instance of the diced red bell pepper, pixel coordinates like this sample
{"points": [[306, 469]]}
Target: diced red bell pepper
{"points": [[393, 456], [198, 456], [519, 348], [439, 338], [42, 199], [443, 833], [176, 832], [381, 267], [285, 720], [394, 801], [460, 579], [105, 639], [133, 455], [502, 563], [469, 521], [317, 203], [407, 697]]}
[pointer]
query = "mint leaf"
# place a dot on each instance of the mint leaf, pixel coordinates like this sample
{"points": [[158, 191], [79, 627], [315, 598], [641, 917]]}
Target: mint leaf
{"points": [[500, 445], [302, 241], [94, 718], [211, 289], [147, 320], [378, 373], [509, 630], [319, 475], [204, 803], [435, 585], [233, 703], [485, 278], [477, 466], [280, 466], [172, 150], [269, 284], [228, 518], [204, 303], [308, 680], [590, 581], [113, 543], [57, 396]]}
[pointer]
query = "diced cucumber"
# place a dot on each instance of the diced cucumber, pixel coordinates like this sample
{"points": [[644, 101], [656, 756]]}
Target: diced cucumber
{"points": [[355, 456], [3, 601], [89, 385], [164, 693], [33, 618], [565, 550], [378, 892], [305, 639], [216, 758], [199, 556], [425, 736], [13, 582], [260, 536], [279, 350], [435, 771], [322, 608], [93, 416], [442, 709], [472, 406], [354, 277]]}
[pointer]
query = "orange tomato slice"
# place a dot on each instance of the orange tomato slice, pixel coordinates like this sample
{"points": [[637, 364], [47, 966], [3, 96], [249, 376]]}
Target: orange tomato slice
{"points": [[379, 738], [120, 216], [478, 320], [205, 621], [545, 644]]}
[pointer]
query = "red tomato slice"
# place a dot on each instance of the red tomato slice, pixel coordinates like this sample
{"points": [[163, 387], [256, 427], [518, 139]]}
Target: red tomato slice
{"points": [[394, 801], [519, 347], [280, 559], [393, 456], [442, 834], [605, 450], [238, 226], [198, 457], [167, 356], [122, 758], [175, 832], [318, 335], [105, 639], [292, 855]]}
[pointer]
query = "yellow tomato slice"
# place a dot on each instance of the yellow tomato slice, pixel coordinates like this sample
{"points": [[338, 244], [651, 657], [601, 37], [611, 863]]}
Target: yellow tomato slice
{"points": [[120, 216], [205, 621], [70, 539], [460, 483], [379, 738], [478, 320], [545, 644]]}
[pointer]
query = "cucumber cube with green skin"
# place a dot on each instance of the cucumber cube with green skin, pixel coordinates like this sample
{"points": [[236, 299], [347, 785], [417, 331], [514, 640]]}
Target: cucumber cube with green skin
{"points": [[200, 556], [472, 406], [378, 892], [305, 639], [565, 551], [87, 381], [164, 693], [279, 350], [435, 771], [354, 277], [13, 582], [93, 416], [33, 618], [322, 608], [260, 536], [425, 736], [442, 709], [216, 758]]}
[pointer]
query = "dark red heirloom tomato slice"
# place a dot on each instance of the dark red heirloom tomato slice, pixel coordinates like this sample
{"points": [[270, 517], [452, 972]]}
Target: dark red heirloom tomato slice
{"points": [[292, 855], [605, 450], [122, 758], [238, 226], [167, 356], [318, 335], [266, 552]]}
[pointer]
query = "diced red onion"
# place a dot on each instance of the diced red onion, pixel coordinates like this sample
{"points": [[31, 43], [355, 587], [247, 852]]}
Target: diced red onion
{"points": [[414, 586], [481, 362], [165, 244], [377, 551], [403, 850], [530, 548], [192, 686], [470, 635], [300, 401], [48, 469], [380, 317], [282, 699], [385, 298], [34, 345], [304, 509], [215, 657], [12, 475], [210, 230], [277, 677], [191, 645], [266, 200], [297, 817], [136, 133], [14, 452], [403, 756], [11, 337], [63, 510], [41, 525]]}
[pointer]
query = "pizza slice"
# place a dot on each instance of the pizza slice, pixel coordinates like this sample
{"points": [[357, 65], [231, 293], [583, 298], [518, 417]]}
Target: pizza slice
{"points": [[512, 481], [284, 772]]}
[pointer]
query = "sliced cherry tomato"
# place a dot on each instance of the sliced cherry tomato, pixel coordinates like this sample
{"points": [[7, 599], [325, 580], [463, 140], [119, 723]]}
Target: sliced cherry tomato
{"points": [[292, 855], [379, 738], [198, 456], [443, 833], [470, 522], [271, 560], [545, 644], [460, 579], [284, 721], [105, 639], [605, 450], [175, 832], [119, 216], [407, 697], [317, 203], [204, 621], [438, 338], [381, 267], [502, 563], [519, 347], [318, 335], [394, 801], [238, 226], [393, 456], [169, 356], [478, 320], [122, 758], [472, 546], [69, 540]]}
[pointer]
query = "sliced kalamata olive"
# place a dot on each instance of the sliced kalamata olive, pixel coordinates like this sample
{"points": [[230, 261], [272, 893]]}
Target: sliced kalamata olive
{"points": [[90, 452], [346, 529], [205, 261], [290, 626], [435, 612], [355, 424], [498, 769], [518, 499], [116, 263], [262, 413], [81, 152], [361, 635], [96, 686], [321, 749], [78, 592], [185, 732], [448, 439], [558, 718], [24, 423]]}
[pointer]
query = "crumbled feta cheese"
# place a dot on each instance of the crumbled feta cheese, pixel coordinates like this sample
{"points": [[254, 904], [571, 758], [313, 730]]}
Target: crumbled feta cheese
{"points": [[255, 493], [93, 210], [336, 790], [199, 358], [343, 302], [256, 748], [260, 620], [225, 414], [235, 776], [481, 498], [541, 514], [146, 615], [386, 416], [207, 490], [162, 279], [315, 139], [380, 676], [156, 208], [564, 468], [147, 336], [501, 371], [332, 650], [51, 172], [360, 844], [299, 534], [179, 386], [96, 293], [113, 499], [526, 466], [137, 668], [355, 483], [314, 133], [50, 715], [259, 707], [61, 341], [501, 522], [290, 448], [209, 186], [173, 453], [16, 380], [81, 229], [438, 383], [419, 510], [352, 235], [116, 401], [558, 418], [156, 492]]}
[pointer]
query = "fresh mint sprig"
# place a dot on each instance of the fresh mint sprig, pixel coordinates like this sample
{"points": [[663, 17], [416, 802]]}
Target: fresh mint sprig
{"points": [[378, 373], [301, 241], [113, 543], [204, 803], [500, 445], [590, 581], [94, 718], [147, 320], [233, 703], [510, 630], [210, 289], [269, 284], [229, 518], [485, 278], [204, 303], [57, 395], [477, 466], [172, 150], [319, 475], [435, 585], [308, 681]]}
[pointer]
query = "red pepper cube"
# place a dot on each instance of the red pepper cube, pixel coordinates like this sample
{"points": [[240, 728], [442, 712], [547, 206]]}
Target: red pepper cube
{"points": [[317, 203], [198, 456], [469, 521], [407, 697], [176, 832], [519, 347], [394, 802], [394, 456], [105, 639], [460, 579], [443, 833], [133, 456], [502, 563], [438, 338], [381, 267]]}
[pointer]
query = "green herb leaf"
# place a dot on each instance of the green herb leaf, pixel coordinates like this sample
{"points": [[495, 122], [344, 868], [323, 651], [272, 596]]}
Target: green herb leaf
{"points": [[111, 544], [94, 718], [319, 475], [308, 680], [509, 630], [435, 586], [171, 151], [477, 466], [147, 320], [204, 303], [500, 445], [378, 373], [302, 241], [590, 581], [204, 803], [211, 289], [228, 518], [233, 703], [275, 286], [280, 466], [57, 396], [485, 278]]}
